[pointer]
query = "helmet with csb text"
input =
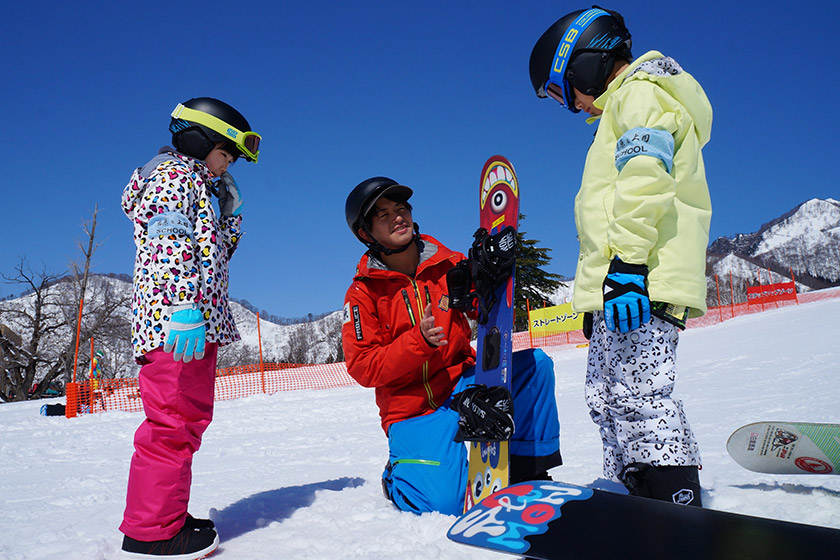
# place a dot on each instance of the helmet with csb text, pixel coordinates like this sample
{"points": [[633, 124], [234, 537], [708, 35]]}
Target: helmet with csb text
{"points": [[579, 51]]}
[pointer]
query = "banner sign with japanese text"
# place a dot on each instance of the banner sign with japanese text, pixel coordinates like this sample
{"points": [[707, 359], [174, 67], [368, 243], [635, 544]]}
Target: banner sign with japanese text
{"points": [[770, 293], [552, 320]]}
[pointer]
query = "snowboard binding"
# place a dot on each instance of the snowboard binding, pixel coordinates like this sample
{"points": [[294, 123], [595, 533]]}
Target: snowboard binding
{"points": [[492, 258], [484, 413], [490, 264]]}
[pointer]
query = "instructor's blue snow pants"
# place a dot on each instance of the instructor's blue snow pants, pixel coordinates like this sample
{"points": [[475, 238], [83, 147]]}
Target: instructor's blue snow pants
{"points": [[427, 469]]}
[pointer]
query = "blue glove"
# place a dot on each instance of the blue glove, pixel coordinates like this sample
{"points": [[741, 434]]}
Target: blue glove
{"points": [[185, 332], [626, 301], [230, 201]]}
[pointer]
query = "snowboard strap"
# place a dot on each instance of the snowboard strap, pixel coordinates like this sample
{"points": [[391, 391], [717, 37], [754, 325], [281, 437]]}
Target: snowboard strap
{"points": [[378, 249], [484, 413]]}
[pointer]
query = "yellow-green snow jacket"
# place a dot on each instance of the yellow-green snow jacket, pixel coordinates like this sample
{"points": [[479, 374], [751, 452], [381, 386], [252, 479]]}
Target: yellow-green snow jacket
{"points": [[643, 196]]}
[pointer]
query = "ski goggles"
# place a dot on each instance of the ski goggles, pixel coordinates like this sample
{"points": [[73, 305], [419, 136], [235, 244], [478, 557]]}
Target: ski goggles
{"points": [[246, 142], [557, 86]]}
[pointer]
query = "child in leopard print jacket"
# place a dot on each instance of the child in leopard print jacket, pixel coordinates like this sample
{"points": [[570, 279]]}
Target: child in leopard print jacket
{"points": [[180, 316]]}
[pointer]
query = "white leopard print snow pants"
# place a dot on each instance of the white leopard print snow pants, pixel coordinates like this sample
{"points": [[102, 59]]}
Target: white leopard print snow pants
{"points": [[629, 379]]}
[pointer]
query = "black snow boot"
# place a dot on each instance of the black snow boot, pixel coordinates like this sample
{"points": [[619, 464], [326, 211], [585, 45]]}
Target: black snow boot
{"points": [[524, 468], [188, 544], [198, 523], [680, 485]]}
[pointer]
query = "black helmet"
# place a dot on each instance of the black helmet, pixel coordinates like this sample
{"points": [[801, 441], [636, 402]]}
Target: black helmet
{"points": [[362, 198], [199, 124], [579, 50]]}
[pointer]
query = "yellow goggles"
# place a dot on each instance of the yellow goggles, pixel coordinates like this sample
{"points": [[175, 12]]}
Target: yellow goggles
{"points": [[247, 142]]}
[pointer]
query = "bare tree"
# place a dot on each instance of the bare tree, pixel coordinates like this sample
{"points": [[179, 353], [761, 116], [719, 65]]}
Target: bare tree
{"points": [[81, 277], [332, 334], [236, 354], [107, 321], [106, 318], [38, 315], [46, 321], [300, 340]]}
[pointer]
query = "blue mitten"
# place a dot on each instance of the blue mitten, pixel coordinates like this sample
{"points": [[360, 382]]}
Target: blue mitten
{"points": [[185, 333], [626, 301], [230, 200]]}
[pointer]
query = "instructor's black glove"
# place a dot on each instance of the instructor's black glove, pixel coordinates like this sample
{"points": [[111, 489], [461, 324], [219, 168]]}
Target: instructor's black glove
{"points": [[458, 283], [485, 413]]}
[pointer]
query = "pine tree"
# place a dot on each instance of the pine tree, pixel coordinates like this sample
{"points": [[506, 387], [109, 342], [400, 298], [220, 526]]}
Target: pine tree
{"points": [[532, 282]]}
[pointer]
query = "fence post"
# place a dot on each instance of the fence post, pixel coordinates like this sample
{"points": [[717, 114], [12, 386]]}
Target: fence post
{"points": [[71, 391], [259, 338], [759, 285], [720, 307], [71, 394], [530, 334], [91, 385], [78, 334], [731, 295]]}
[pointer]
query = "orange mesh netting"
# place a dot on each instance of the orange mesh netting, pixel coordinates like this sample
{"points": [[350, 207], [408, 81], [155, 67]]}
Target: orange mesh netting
{"points": [[231, 383]]}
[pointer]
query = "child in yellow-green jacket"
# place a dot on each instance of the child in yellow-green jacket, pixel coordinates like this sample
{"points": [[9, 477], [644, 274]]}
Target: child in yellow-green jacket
{"points": [[642, 215]]}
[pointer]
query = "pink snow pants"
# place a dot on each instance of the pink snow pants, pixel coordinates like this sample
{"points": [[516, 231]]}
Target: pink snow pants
{"points": [[178, 402]]}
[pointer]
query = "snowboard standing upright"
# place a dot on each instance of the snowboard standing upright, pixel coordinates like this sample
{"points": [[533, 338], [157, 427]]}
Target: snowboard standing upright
{"points": [[498, 208]]}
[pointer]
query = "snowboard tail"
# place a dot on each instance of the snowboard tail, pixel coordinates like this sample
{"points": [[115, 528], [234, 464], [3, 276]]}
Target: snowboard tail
{"points": [[554, 521], [787, 447], [488, 469]]}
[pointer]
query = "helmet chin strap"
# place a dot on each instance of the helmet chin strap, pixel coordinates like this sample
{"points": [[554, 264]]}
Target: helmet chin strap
{"points": [[378, 249]]}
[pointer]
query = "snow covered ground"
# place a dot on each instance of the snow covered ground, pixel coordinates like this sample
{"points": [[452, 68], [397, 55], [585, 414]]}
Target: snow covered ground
{"points": [[296, 474]]}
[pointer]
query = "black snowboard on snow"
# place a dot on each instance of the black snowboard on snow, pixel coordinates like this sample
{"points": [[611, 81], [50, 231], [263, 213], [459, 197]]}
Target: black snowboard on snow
{"points": [[557, 521]]}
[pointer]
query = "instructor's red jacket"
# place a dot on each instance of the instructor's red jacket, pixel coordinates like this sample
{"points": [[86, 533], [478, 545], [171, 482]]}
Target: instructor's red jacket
{"points": [[383, 346]]}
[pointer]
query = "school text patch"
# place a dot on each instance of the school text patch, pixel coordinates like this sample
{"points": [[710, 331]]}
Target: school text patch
{"points": [[170, 223]]}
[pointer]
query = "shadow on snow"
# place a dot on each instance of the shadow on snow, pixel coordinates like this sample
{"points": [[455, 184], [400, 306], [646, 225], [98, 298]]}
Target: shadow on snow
{"points": [[259, 510]]}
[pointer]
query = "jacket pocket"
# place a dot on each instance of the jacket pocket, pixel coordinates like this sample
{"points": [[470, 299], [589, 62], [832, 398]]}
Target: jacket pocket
{"points": [[386, 327]]}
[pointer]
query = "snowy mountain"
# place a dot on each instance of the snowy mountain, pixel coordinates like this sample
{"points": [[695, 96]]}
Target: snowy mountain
{"points": [[315, 342], [296, 474], [805, 240]]}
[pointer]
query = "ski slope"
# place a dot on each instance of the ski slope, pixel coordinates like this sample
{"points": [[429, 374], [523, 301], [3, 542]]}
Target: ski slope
{"points": [[296, 474]]}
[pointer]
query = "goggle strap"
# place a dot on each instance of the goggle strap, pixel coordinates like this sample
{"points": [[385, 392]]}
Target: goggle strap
{"points": [[236, 136]]}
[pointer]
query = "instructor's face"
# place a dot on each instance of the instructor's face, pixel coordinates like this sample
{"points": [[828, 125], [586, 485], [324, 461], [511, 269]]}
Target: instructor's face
{"points": [[392, 225]]}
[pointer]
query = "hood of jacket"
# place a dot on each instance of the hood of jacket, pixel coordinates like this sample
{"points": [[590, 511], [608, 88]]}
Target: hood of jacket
{"points": [[664, 71], [132, 196]]}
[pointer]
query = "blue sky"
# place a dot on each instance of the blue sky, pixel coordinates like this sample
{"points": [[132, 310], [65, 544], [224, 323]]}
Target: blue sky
{"points": [[421, 92]]}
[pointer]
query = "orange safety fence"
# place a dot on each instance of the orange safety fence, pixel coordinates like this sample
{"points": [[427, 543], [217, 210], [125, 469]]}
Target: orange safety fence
{"points": [[248, 380], [99, 395], [231, 383], [553, 339]]}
